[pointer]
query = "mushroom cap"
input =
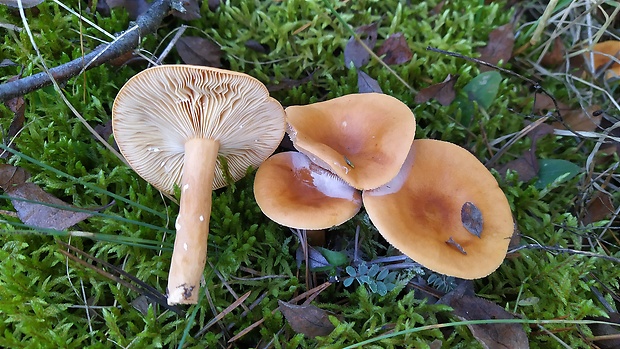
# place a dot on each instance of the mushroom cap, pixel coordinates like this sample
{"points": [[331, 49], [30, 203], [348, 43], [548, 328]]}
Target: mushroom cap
{"points": [[363, 138], [160, 108], [420, 211], [293, 191]]}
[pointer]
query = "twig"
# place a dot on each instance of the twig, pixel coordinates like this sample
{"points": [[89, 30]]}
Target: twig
{"points": [[145, 24]]}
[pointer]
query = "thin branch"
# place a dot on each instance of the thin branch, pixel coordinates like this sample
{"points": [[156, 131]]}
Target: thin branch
{"points": [[144, 25]]}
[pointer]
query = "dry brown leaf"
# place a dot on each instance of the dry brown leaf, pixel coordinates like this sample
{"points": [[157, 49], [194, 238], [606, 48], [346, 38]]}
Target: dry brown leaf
{"points": [[492, 336], [442, 92], [471, 217], [602, 57], [40, 215], [192, 10], [543, 104], [196, 50], [395, 49], [256, 46], [366, 84], [499, 48], [580, 120], [214, 4], [306, 319], [556, 54], [354, 52], [18, 106], [25, 3], [526, 166], [286, 84], [11, 176], [600, 207], [606, 336]]}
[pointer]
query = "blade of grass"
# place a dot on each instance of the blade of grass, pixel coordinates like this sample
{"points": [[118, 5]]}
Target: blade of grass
{"points": [[119, 239]]}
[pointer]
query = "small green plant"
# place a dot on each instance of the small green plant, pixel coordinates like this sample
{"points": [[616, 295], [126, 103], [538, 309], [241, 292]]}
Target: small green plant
{"points": [[379, 280], [441, 282]]}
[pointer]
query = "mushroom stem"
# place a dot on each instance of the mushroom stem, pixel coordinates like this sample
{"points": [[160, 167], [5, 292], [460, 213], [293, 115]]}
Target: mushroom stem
{"points": [[192, 225]]}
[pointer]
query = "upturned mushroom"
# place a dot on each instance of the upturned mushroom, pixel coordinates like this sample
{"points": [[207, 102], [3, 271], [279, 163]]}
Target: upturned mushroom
{"points": [[172, 123], [445, 210], [363, 138], [295, 192]]}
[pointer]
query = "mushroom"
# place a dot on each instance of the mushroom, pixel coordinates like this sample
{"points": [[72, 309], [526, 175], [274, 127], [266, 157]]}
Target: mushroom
{"points": [[445, 210], [293, 191], [363, 138], [172, 123]]}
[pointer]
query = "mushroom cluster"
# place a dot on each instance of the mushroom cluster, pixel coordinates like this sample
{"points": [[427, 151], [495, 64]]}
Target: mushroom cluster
{"points": [[432, 200], [175, 124]]}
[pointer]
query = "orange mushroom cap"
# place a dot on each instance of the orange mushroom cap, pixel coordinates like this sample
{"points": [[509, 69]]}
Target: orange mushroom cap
{"points": [[293, 191], [420, 211], [363, 138]]}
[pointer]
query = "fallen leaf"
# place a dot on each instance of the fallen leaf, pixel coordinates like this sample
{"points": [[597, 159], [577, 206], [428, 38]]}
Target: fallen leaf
{"points": [[134, 7], [471, 217], [606, 336], [40, 215], [606, 55], [286, 84], [192, 10], [25, 3], [214, 4], [199, 51], [499, 48], [307, 319], [543, 104], [256, 46], [442, 92], [552, 170], [539, 131], [354, 52], [102, 8], [11, 176], [526, 166], [395, 49], [555, 55], [491, 336], [18, 106], [580, 120], [366, 84], [599, 207], [436, 344], [316, 260], [7, 63]]}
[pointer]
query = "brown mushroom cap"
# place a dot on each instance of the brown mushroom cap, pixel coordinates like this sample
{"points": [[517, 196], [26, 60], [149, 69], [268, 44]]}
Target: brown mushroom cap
{"points": [[363, 138], [294, 192], [162, 107], [419, 212]]}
